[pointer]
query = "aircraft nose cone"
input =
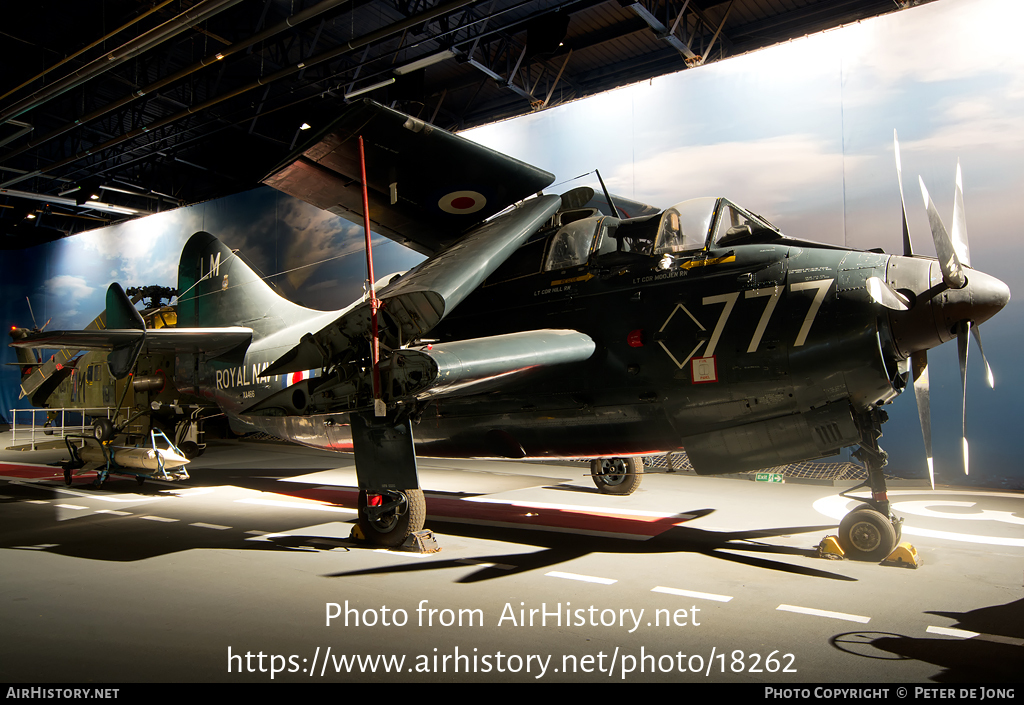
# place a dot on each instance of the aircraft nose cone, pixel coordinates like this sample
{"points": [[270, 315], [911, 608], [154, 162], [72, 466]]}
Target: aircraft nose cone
{"points": [[983, 297], [937, 310]]}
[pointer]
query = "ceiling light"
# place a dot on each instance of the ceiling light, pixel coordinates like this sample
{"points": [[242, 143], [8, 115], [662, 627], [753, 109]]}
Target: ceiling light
{"points": [[375, 86], [305, 126], [425, 61]]}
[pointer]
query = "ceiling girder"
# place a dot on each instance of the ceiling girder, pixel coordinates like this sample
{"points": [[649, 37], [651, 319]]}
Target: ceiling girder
{"points": [[207, 109]]}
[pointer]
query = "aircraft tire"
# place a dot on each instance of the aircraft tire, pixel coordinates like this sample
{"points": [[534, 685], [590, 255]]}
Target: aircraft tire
{"points": [[867, 534], [102, 430], [617, 475], [394, 529], [67, 477]]}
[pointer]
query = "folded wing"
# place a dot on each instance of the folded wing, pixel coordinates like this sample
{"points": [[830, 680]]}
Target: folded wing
{"points": [[425, 295], [426, 186]]}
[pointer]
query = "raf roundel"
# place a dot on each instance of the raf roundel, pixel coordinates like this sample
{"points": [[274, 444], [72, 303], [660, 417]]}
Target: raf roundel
{"points": [[462, 202]]}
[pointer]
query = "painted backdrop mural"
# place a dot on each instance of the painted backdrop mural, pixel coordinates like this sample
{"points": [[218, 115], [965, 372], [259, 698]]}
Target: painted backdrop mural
{"points": [[801, 133]]}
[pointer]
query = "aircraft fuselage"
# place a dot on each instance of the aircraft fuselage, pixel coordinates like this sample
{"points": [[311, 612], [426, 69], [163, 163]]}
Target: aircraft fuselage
{"points": [[748, 354]]}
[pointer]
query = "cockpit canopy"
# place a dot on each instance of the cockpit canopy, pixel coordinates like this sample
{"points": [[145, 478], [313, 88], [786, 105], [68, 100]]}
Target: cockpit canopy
{"points": [[686, 228], [693, 225]]}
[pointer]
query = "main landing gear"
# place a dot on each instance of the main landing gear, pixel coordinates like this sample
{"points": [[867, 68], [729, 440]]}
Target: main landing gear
{"points": [[388, 518], [870, 532], [617, 475], [386, 458]]}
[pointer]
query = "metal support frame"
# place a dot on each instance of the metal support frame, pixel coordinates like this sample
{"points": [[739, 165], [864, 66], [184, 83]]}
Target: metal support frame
{"points": [[663, 32], [645, 10]]}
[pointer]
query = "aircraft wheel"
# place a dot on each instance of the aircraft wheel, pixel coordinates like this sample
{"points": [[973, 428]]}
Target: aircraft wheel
{"points": [[67, 477], [617, 475], [866, 534], [102, 430], [393, 528]]}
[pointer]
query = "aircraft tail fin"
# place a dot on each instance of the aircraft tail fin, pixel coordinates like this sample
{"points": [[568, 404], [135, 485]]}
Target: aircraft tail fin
{"points": [[216, 289], [122, 315]]}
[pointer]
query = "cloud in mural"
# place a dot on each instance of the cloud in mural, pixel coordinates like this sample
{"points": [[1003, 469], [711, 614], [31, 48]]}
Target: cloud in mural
{"points": [[921, 58], [764, 175], [316, 238], [971, 124], [67, 286], [69, 292], [945, 41], [141, 252]]}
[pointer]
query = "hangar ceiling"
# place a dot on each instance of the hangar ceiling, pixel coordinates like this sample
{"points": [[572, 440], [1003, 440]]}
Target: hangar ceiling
{"points": [[114, 109]]}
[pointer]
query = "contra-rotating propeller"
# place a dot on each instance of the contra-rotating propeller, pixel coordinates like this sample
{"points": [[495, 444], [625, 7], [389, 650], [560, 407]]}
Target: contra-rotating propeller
{"points": [[953, 253]]}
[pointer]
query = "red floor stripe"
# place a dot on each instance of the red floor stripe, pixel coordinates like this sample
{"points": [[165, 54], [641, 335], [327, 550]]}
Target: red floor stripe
{"points": [[29, 471], [528, 517]]}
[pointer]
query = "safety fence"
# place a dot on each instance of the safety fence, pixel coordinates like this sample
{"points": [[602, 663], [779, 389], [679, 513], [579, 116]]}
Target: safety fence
{"points": [[804, 470], [34, 427]]}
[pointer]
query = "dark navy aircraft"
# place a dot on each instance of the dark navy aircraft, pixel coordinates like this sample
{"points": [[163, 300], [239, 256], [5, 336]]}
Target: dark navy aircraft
{"points": [[573, 326]]}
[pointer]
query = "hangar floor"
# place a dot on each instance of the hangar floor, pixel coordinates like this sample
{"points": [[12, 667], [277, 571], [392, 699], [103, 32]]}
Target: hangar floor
{"points": [[232, 576]]}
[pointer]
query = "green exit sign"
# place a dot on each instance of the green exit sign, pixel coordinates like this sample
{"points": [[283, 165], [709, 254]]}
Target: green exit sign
{"points": [[769, 477]]}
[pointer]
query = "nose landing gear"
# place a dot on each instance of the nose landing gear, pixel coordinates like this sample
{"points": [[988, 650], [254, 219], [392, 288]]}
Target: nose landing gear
{"points": [[870, 532]]}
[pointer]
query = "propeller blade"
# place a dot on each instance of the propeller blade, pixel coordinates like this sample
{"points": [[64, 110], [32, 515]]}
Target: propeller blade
{"points": [[885, 295], [952, 271], [908, 248], [988, 368], [919, 368], [963, 251], [963, 339], [31, 313]]}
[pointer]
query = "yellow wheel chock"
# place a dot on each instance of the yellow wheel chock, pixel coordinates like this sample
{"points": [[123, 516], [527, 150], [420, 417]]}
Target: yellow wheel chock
{"points": [[829, 548], [904, 555]]}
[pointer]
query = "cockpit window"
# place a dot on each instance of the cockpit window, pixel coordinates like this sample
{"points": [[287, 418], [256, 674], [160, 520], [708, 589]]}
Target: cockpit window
{"points": [[731, 224], [570, 246], [685, 226], [737, 226]]}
